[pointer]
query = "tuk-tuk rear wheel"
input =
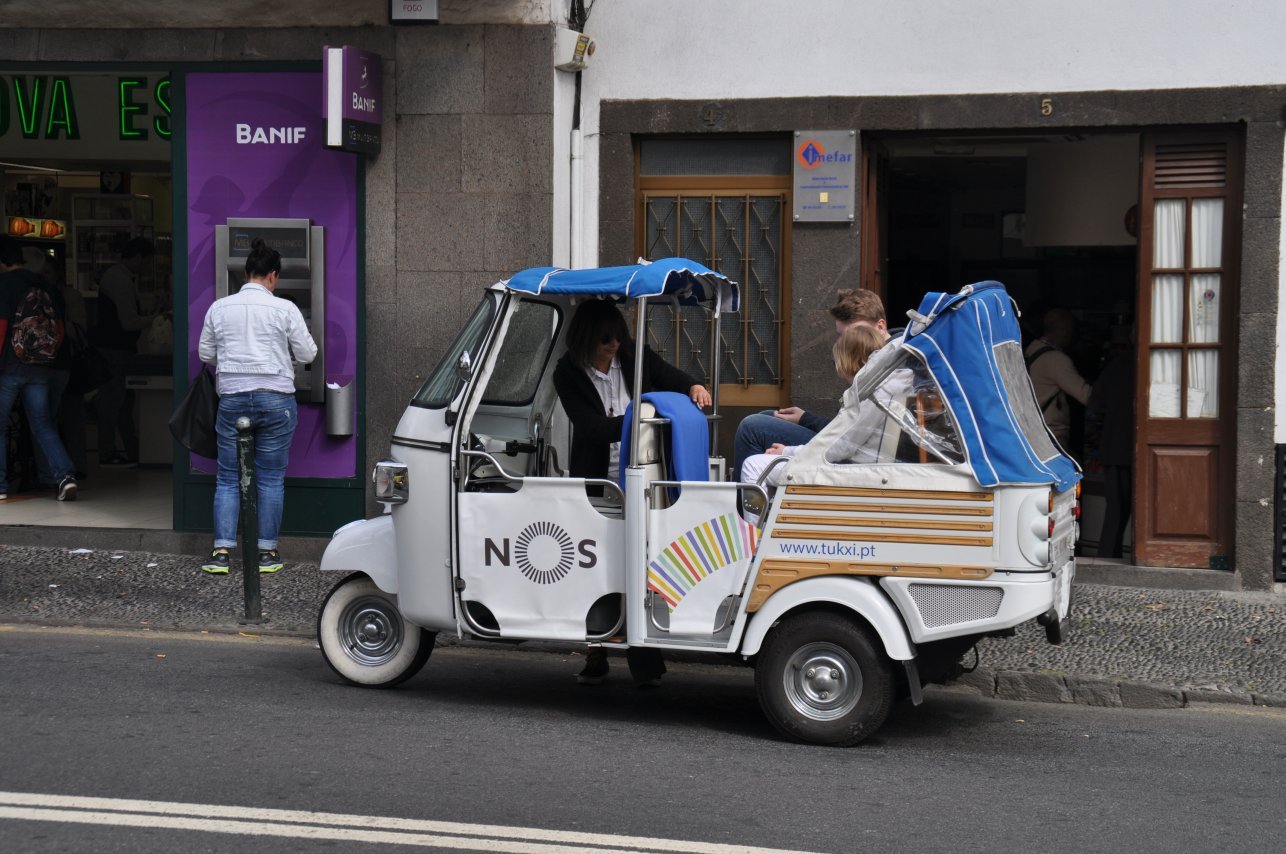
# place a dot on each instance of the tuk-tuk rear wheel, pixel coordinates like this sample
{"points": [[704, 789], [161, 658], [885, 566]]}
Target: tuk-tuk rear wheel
{"points": [[822, 679], [364, 638]]}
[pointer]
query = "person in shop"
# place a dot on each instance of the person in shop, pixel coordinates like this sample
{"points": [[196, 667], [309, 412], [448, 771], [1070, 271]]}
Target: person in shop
{"points": [[116, 335], [594, 381], [254, 339], [28, 304], [1053, 375], [1113, 401], [71, 432], [792, 425]]}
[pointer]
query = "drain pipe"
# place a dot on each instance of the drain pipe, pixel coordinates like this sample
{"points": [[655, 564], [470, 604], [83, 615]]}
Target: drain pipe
{"points": [[577, 197]]}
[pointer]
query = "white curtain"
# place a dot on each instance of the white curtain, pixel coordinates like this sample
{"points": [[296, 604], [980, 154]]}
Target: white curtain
{"points": [[1203, 308], [1167, 307]]}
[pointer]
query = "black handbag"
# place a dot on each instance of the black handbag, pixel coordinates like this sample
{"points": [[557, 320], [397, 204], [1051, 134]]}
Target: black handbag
{"points": [[86, 367], [192, 423]]}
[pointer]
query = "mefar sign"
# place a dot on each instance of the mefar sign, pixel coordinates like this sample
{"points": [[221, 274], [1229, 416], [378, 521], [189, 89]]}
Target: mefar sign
{"points": [[825, 175], [354, 99]]}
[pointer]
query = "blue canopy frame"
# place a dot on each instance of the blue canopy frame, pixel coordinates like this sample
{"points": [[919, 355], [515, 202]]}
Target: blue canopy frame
{"points": [[971, 344], [686, 281], [679, 279]]}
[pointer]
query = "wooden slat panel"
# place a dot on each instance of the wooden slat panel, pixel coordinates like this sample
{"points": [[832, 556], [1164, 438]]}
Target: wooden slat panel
{"points": [[1202, 164], [867, 522], [940, 510], [874, 492], [877, 537], [776, 574]]}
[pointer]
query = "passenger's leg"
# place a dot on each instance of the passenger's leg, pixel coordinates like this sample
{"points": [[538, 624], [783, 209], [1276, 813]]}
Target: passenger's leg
{"points": [[756, 433]]}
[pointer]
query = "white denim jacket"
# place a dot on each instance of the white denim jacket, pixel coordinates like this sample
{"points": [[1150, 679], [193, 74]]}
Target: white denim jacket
{"points": [[253, 332]]}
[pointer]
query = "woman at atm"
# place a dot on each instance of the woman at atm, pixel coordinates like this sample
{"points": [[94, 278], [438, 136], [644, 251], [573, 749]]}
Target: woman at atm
{"points": [[250, 338]]}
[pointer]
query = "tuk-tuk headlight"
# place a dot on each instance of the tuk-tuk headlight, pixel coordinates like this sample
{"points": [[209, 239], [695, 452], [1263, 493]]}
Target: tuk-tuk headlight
{"points": [[392, 483]]}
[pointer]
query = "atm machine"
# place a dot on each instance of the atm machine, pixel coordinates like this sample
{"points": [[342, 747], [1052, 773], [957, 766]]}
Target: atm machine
{"points": [[302, 280]]}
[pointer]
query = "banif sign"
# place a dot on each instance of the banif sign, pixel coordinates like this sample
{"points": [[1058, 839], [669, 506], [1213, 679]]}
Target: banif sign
{"points": [[354, 99]]}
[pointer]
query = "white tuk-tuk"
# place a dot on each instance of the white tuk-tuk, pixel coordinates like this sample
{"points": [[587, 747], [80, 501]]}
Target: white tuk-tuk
{"points": [[854, 585]]}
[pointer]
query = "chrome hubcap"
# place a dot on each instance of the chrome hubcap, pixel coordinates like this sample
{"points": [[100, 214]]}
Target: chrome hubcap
{"points": [[371, 630], [822, 681]]}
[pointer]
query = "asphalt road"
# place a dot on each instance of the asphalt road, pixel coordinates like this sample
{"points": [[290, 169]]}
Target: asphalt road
{"points": [[94, 721]]}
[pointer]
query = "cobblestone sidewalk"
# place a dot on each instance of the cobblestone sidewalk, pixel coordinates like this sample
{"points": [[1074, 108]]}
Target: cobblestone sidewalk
{"points": [[1127, 646]]}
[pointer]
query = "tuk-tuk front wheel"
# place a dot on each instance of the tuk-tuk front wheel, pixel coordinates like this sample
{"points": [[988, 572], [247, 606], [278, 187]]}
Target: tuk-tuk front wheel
{"points": [[364, 638], [822, 679]]}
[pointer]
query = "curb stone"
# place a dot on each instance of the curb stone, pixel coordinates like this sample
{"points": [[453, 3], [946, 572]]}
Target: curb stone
{"points": [[1095, 692], [1106, 693], [1213, 695], [1040, 687], [1145, 695]]}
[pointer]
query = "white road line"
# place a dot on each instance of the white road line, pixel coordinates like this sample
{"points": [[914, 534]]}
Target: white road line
{"points": [[255, 821]]}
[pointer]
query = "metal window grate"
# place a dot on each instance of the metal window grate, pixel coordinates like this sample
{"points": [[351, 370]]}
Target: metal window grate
{"points": [[737, 234], [948, 604], [1279, 541]]}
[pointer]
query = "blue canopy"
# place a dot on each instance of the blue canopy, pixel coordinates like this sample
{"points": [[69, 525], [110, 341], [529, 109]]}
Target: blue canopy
{"points": [[971, 344], [686, 281]]}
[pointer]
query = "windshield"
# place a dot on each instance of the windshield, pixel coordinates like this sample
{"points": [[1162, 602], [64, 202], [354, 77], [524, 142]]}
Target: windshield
{"points": [[442, 385]]}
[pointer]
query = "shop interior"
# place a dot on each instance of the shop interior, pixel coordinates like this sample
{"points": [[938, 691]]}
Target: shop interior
{"points": [[79, 216], [1053, 217]]}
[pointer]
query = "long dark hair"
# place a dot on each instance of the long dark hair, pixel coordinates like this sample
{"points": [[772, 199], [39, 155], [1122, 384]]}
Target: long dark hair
{"points": [[262, 259], [593, 319]]}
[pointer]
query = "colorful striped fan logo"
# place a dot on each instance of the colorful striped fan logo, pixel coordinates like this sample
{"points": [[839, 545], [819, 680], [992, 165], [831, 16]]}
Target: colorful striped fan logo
{"points": [[700, 552]]}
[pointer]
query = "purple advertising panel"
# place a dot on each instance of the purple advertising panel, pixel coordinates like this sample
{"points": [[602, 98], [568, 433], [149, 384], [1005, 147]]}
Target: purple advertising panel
{"points": [[255, 148]]}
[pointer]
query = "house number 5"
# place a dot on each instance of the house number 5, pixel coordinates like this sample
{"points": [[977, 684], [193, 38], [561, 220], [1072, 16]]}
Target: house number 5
{"points": [[1046, 106]]}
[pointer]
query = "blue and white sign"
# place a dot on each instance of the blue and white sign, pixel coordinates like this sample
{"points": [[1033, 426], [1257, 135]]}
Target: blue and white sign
{"points": [[825, 175]]}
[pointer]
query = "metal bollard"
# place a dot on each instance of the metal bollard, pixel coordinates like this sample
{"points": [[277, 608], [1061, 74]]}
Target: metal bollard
{"points": [[249, 519]]}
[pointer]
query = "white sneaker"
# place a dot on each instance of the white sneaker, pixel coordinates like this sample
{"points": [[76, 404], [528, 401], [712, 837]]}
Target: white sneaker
{"points": [[67, 489]]}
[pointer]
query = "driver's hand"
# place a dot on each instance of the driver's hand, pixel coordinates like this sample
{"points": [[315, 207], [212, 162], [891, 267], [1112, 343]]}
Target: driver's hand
{"points": [[790, 413], [700, 396]]}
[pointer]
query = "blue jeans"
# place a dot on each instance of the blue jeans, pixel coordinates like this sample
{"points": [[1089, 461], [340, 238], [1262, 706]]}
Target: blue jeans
{"points": [[35, 400], [757, 432], [274, 416]]}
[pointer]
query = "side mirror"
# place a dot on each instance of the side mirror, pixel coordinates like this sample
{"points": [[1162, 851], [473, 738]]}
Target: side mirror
{"points": [[463, 372]]}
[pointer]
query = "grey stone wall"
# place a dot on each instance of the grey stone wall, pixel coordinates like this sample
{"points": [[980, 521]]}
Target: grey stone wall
{"points": [[463, 199], [460, 196], [828, 257]]}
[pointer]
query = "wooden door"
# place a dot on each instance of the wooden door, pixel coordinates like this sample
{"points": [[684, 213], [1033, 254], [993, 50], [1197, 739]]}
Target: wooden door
{"points": [[1189, 244], [875, 218]]}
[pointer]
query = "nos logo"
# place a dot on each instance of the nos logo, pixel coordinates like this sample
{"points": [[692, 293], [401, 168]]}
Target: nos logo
{"points": [[543, 551]]}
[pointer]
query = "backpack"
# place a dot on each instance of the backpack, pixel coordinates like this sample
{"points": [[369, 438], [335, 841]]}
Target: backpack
{"points": [[37, 336], [1030, 360]]}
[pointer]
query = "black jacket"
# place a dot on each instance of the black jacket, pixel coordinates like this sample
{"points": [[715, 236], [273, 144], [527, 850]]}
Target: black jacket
{"points": [[592, 430]]}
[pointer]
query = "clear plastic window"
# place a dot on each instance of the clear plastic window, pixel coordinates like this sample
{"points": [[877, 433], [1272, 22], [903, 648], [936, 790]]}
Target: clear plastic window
{"points": [[1022, 399], [443, 385], [906, 420], [530, 338]]}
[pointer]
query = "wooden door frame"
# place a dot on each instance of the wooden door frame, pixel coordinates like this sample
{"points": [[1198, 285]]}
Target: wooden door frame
{"points": [[1222, 430], [732, 394]]}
